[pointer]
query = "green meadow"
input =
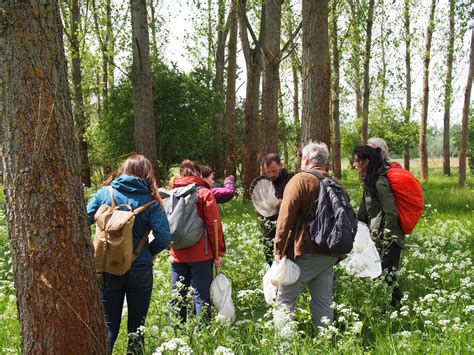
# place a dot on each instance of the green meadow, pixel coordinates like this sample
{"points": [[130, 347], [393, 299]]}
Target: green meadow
{"points": [[437, 277]]}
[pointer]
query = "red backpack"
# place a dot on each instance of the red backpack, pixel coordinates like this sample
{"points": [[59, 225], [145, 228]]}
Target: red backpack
{"points": [[406, 190]]}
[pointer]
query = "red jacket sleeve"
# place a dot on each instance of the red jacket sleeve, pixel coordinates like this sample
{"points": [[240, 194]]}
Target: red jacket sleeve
{"points": [[211, 214]]}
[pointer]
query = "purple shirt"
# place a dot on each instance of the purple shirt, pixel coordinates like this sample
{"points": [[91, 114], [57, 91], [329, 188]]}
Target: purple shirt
{"points": [[225, 194]]}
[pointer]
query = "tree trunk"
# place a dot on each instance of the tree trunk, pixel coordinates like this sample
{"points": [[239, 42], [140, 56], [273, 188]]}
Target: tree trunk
{"points": [[424, 102], [295, 69], [448, 90], [153, 25], [465, 116], [106, 48], [315, 122], [58, 297], [145, 137], [271, 75], [407, 113], [231, 120], [253, 60], [383, 73], [365, 104], [109, 40], [355, 55], [79, 117], [219, 155], [336, 151]]}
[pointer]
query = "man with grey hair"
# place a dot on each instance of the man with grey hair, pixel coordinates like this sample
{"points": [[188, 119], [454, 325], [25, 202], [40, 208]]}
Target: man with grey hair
{"points": [[316, 264]]}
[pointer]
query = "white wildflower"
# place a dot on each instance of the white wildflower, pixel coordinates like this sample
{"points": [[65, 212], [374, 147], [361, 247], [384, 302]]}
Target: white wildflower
{"points": [[469, 308], [223, 350]]}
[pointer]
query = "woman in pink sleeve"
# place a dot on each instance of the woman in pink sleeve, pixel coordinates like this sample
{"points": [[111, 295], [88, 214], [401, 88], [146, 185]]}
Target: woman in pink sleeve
{"points": [[222, 194]]}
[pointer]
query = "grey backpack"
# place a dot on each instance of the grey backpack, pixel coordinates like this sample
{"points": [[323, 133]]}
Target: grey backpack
{"points": [[333, 223], [180, 205]]}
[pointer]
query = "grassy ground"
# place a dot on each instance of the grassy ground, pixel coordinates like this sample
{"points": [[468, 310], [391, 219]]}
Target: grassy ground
{"points": [[436, 274]]}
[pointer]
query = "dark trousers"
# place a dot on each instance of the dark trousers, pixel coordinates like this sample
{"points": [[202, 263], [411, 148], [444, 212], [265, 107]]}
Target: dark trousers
{"points": [[199, 276], [268, 239], [136, 285], [390, 265]]}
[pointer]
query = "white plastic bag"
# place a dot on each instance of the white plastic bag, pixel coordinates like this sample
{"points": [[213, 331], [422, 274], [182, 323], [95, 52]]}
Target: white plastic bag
{"points": [[269, 289], [221, 298], [364, 259], [286, 272]]}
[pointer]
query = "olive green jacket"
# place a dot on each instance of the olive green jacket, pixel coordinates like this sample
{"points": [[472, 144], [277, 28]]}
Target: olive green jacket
{"points": [[382, 212]]}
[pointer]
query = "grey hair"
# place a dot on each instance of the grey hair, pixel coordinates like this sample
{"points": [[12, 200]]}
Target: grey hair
{"points": [[316, 153], [379, 143]]}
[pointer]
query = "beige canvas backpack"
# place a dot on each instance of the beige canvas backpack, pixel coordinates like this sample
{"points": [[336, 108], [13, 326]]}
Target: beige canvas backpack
{"points": [[113, 242]]}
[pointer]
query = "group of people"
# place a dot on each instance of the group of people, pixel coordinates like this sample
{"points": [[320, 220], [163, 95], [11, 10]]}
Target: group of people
{"points": [[135, 184], [377, 210]]}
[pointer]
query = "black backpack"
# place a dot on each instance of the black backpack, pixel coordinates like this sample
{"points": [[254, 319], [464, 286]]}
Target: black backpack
{"points": [[333, 223]]}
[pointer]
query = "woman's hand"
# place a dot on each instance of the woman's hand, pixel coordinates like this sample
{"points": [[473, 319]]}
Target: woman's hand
{"points": [[218, 263]]}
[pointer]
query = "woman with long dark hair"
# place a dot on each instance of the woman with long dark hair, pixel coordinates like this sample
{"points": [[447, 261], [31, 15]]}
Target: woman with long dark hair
{"points": [[192, 266], [134, 184], [382, 213]]}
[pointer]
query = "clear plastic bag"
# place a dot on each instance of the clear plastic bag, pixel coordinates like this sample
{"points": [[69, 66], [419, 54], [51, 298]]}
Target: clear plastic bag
{"points": [[286, 272], [221, 298], [364, 259]]}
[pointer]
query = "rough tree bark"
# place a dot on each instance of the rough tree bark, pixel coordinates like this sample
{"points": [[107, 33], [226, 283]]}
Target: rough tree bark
{"points": [[79, 116], [58, 296], [145, 137], [407, 113], [231, 119], [365, 104], [424, 103], [315, 122], [465, 115], [336, 150], [253, 61], [448, 89], [271, 75]]}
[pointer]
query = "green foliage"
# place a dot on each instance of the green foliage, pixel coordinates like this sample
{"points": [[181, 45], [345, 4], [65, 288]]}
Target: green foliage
{"points": [[392, 128], [185, 110]]}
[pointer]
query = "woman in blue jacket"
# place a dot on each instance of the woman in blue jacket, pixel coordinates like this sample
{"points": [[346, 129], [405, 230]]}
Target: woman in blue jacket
{"points": [[134, 184]]}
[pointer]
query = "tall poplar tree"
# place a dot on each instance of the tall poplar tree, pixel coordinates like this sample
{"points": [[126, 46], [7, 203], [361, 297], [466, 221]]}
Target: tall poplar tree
{"points": [[425, 95], [407, 110], [253, 60], [367, 53], [144, 134], [465, 114], [315, 122], [448, 91]]}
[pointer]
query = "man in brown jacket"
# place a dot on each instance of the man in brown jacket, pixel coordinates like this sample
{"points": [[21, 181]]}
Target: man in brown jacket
{"points": [[316, 264]]}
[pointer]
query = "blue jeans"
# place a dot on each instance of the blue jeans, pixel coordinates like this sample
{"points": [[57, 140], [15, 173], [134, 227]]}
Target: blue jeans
{"points": [[137, 285], [199, 276]]}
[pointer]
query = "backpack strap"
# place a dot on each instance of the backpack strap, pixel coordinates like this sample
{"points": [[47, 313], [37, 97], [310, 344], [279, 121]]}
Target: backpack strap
{"points": [[143, 207], [141, 244], [315, 173], [111, 192]]}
